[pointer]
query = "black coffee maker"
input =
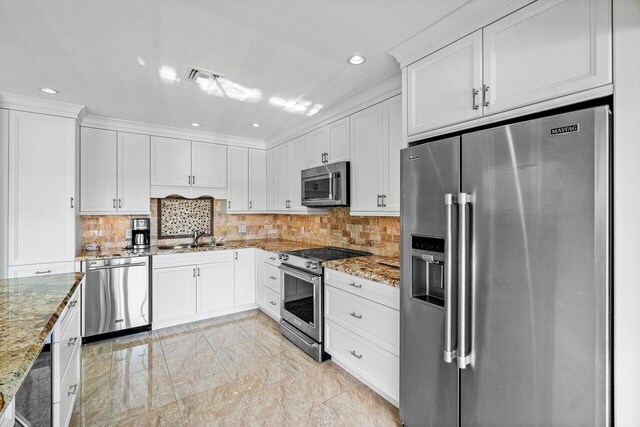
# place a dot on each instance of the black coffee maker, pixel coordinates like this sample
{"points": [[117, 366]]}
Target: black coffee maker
{"points": [[140, 233]]}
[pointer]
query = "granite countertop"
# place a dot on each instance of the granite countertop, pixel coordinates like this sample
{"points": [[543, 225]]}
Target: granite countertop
{"points": [[376, 268], [270, 245], [29, 308]]}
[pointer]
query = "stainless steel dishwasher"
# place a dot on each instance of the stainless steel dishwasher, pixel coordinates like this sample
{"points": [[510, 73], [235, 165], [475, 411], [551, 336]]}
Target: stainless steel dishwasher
{"points": [[115, 296]]}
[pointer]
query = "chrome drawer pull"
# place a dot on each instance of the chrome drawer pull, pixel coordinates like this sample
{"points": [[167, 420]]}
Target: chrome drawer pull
{"points": [[74, 388], [272, 303], [357, 316], [73, 303], [272, 258], [356, 355], [42, 272], [272, 277], [72, 341], [354, 285]]}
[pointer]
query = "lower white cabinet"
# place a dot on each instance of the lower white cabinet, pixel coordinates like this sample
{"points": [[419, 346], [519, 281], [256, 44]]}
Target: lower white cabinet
{"points": [[215, 286], [8, 418], [272, 303], [245, 276], [174, 292], [362, 330], [40, 269], [268, 284]]}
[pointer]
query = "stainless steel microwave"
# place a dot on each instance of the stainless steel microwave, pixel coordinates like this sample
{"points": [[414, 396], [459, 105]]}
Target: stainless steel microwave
{"points": [[326, 185]]}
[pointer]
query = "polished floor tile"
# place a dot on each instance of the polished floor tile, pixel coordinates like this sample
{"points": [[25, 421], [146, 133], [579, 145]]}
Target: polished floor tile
{"points": [[233, 370]]}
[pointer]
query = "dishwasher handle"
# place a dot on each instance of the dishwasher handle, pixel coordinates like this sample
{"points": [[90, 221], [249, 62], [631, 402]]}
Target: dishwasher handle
{"points": [[109, 267]]}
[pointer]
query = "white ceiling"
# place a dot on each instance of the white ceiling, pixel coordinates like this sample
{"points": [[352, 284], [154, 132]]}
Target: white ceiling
{"points": [[109, 55]]}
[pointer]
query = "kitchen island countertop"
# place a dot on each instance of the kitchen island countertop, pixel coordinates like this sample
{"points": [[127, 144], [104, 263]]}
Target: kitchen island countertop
{"points": [[380, 269]]}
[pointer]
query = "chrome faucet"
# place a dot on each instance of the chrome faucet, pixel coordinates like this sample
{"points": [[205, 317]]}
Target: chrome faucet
{"points": [[196, 235]]}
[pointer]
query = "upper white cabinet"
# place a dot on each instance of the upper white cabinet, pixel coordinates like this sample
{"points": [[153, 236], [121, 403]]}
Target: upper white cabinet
{"points": [[283, 182], [444, 87], [545, 50], [257, 180], [299, 150], [238, 190], [114, 172], [272, 179], [329, 144], [187, 168], [376, 138], [42, 170]]}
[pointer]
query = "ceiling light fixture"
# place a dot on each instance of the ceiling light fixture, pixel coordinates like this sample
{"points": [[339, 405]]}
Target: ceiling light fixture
{"points": [[255, 125], [196, 125], [356, 59], [292, 102], [49, 91]]}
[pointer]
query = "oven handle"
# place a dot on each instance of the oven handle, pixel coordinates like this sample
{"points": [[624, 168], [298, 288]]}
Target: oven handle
{"points": [[298, 274]]}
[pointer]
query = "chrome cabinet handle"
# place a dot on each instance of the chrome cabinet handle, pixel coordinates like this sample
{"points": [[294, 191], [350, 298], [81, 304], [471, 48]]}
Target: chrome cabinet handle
{"points": [[272, 258], [193, 179], [464, 308], [378, 201], [42, 272], [250, 204], [74, 388], [353, 284], [356, 355], [73, 303], [114, 203], [194, 272], [119, 203], [357, 316], [450, 276], [485, 91], [474, 93], [272, 277], [383, 204], [72, 341], [228, 204], [198, 271], [236, 255], [272, 303], [189, 179], [72, 203]]}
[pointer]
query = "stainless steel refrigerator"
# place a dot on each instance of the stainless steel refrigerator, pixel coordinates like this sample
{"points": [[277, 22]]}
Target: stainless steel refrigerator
{"points": [[505, 307]]}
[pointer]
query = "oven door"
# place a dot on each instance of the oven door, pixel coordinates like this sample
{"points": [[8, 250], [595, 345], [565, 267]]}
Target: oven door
{"points": [[301, 302]]}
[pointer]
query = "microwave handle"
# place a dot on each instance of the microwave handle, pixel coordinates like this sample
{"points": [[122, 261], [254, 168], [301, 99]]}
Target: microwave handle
{"points": [[331, 186]]}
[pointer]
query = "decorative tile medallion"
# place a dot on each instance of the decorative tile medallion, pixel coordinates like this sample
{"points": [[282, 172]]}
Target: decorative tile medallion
{"points": [[180, 217]]}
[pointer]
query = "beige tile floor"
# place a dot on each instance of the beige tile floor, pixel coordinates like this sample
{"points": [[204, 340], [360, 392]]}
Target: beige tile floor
{"points": [[227, 371]]}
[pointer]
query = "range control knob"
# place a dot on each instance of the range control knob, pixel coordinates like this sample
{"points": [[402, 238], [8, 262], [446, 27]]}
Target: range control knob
{"points": [[312, 265], [283, 257]]}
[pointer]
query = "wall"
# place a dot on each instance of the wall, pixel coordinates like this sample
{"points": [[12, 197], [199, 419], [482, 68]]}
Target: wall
{"points": [[378, 235]]}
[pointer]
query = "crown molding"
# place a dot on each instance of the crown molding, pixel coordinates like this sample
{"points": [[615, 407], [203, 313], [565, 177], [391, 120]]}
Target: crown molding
{"points": [[469, 17], [384, 90], [13, 101], [168, 132]]}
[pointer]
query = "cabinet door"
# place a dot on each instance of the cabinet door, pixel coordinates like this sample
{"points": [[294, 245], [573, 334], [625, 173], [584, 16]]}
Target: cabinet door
{"points": [[317, 147], [209, 165], [41, 212], [215, 286], [366, 159], [257, 180], [338, 140], [441, 86], [174, 292], [299, 149], [283, 177], [245, 276], [391, 155], [133, 173], [238, 190], [260, 256], [98, 170], [272, 179], [170, 162], [546, 50]]}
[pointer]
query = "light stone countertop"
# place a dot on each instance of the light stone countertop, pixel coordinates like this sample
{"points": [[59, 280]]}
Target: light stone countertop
{"points": [[375, 268], [29, 308]]}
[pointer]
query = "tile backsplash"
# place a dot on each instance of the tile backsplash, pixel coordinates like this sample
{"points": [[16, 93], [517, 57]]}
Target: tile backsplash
{"points": [[378, 235]]}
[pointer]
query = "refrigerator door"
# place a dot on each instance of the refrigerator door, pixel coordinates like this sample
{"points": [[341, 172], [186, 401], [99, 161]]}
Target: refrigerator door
{"points": [[428, 385], [539, 276]]}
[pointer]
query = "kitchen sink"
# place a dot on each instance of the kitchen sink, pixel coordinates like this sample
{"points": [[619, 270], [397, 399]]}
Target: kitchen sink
{"points": [[200, 245]]}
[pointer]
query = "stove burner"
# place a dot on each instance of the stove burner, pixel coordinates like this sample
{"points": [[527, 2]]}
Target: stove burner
{"points": [[327, 254]]}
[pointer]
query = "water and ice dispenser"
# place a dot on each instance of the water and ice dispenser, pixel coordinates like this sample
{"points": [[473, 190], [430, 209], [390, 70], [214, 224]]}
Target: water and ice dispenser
{"points": [[427, 265]]}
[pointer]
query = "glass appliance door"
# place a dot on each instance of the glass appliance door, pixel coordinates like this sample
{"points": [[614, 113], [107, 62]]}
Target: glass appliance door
{"points": [[300, 302]]}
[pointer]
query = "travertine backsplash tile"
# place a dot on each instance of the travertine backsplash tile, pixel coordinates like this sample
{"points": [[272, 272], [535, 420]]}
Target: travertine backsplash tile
{"points": [[378, 235]]}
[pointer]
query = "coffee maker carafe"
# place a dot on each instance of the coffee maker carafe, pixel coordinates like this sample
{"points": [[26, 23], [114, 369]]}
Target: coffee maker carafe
{"points": [[140, 233]]}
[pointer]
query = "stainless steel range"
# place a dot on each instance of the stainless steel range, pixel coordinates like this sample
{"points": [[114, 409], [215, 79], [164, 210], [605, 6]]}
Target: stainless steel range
{"points": [[301, 296]]}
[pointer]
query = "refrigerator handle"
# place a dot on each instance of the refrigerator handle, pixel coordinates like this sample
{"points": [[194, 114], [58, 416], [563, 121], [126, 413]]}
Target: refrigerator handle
{"points": [[450, 291], [464, 308]]}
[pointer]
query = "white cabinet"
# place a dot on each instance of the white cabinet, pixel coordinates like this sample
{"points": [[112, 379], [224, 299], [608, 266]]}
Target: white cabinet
{"points": [[215, 286], [257, 180], [268, 284], [238, 190], [546, 50], [41, 214], [317, 147], [375, 159], [272, 179], [299, 150], [40, 269], [114, 172], [187, 168], [338, 141], [245, 276], [444, 88], [174, 292], [283, 182]]}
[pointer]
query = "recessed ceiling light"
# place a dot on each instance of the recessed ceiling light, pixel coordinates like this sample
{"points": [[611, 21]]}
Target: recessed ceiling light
{"points": [[195, 125], [49, 90], [292, 102], [356, 59], [255, 125]]}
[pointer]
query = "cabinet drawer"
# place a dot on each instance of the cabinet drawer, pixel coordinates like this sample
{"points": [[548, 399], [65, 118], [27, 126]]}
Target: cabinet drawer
{"points": [[375, 322], [179, 260], [377, 292], [69, 387], [272, 277], [67, 341], [17, 271], [272, 302], [272, 258], [375, 365], [72, 307]]}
